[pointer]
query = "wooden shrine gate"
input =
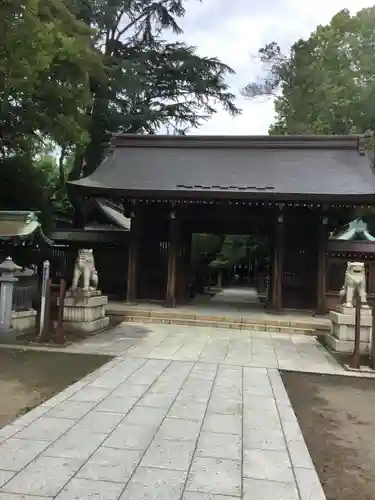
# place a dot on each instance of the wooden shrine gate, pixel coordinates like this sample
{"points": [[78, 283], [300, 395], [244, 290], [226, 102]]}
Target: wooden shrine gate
{"points": [[160, 244]]}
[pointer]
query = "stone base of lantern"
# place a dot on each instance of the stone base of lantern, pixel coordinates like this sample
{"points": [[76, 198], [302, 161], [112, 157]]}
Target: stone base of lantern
{"points": [[24, 321], [84, 312], [341, 336]]}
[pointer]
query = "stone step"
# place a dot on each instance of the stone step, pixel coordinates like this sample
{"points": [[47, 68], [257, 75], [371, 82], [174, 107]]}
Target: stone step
{"points": [[233, 323]]}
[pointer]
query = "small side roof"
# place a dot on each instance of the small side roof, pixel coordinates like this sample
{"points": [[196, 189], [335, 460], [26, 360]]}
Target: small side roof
{"points": [[20, 226], [356, 230], [263, 167]]}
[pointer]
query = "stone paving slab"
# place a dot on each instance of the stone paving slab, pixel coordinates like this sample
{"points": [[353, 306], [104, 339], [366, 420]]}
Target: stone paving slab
{"points": [[204, 426]]}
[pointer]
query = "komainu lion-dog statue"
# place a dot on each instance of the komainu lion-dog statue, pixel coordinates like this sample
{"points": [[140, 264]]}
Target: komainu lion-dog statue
{"points": [[355, 282], [85, 268]]}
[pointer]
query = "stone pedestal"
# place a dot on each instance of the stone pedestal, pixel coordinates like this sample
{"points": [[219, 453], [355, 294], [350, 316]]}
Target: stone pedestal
{"points": [[24, 321], [84, 312], [341, 337]]}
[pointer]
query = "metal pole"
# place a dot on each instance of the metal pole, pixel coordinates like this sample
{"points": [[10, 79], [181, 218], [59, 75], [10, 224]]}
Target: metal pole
{"points": [[45, 334], [45, 278], [356, 359], [372, 352]]}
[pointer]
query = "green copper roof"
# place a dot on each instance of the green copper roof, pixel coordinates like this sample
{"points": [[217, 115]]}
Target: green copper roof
{"points": [[356, 230], [19, 225]]}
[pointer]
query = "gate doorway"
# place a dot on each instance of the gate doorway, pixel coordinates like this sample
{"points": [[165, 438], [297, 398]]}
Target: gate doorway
{"points": [[230, 271]]}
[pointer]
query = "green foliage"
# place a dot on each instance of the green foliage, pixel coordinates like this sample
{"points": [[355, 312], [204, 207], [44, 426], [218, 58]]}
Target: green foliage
{"points": [[149, 83], [72, 72], [327, 83], [32, 183], [204, 247], [236, 248], [25, 186], [54, 178], [233, 249], [45, 62]]}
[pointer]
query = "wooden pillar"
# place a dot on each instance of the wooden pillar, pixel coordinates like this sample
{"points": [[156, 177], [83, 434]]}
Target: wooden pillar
{"points": [[278, 261], [322, 266], [188, 242], [131, 292], [184, 266], [173, 251]]}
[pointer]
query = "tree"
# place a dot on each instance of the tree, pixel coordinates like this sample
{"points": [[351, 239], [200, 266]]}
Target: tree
{"points": [[25, 185], [149, 83], [327, 83], [75, 71], [45, 62]]}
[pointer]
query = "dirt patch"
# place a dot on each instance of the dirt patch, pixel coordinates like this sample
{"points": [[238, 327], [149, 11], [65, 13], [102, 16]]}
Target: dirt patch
{"points": [[337, 418], [32, 338], [30, 377]]}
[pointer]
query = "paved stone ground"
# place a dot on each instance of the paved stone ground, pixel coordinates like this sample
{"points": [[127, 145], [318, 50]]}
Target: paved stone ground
{"points": [[180, 413]]}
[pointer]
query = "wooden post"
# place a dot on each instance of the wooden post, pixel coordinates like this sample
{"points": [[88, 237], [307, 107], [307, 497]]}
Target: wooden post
{"points": [[188, 241], [131, 292], [59, 333], [356, 358], [277, 278], [372, 353], [173, 249], [184, 266], [322, 267], [54, 304]]}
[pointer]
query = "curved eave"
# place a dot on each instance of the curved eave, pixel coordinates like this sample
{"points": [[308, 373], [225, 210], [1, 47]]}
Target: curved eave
{"points": [[42, 239], [353, 235], [115, 216], [105, 191]]}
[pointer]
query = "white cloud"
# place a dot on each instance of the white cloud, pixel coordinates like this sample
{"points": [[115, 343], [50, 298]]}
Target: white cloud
{"points": [[234, 30]]}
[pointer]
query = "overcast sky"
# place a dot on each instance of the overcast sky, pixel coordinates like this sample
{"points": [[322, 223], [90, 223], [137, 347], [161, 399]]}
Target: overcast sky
{"points": [[233, 30]]}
